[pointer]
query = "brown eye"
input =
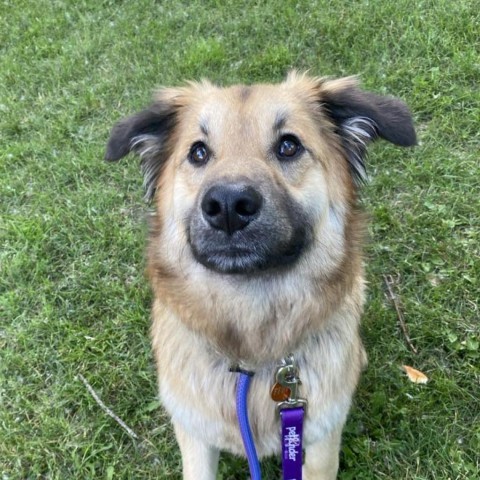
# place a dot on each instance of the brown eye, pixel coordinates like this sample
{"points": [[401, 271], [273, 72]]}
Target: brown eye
{"points": [[199, 154], [289, 147]]}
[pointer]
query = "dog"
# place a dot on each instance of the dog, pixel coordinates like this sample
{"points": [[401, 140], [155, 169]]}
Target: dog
{"points": [[255, 252]]}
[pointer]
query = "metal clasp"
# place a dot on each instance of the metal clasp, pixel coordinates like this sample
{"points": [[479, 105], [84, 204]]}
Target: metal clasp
{"points": [[287, 376]]}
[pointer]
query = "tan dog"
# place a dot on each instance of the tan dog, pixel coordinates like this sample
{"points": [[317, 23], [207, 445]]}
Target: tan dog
{"points": [[256, 251]]}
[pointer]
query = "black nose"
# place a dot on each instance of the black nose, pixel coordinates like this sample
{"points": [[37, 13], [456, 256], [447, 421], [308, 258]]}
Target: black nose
{"points": [[231, 207]]}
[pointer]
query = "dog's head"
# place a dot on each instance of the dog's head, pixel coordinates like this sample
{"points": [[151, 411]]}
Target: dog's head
{"points": [[248, 179]]}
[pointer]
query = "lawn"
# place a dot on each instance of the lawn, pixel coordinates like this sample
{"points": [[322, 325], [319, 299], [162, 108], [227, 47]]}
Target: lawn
{"points": [[74, 301]]}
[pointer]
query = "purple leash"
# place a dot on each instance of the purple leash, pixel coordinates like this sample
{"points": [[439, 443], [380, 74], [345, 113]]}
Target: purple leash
{"points": [[243, 385], [292, 432], [292, 412]]}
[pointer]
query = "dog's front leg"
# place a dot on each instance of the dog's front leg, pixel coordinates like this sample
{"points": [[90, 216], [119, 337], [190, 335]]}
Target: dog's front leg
{"points": [[321, 458], [199, 460]]}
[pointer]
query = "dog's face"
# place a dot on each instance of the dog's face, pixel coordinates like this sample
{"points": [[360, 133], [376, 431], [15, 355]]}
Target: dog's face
{"points": [[249, 179], [249, 160]]}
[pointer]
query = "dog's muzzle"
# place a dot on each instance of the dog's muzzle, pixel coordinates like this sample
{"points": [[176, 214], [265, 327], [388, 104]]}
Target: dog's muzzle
{"points": [[235, 229]]}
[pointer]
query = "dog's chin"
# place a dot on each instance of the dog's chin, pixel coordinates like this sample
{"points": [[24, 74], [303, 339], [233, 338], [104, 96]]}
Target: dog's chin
{"points": [[245, 261]]}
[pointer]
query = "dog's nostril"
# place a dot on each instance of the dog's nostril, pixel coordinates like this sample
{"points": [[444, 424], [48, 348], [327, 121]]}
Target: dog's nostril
{"points": [[212, 208], [246, 207]]}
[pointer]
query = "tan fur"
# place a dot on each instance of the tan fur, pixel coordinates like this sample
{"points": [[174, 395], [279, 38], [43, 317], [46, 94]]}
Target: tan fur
{"points": [[203, 321]]}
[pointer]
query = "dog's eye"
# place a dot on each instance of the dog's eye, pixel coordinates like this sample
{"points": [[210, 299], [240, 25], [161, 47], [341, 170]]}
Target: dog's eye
{"points": [[289, 147], [199, 154]]}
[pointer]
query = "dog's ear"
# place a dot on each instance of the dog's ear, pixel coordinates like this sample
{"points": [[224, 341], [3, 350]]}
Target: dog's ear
{"points": [[361, 117], [146, 134]]}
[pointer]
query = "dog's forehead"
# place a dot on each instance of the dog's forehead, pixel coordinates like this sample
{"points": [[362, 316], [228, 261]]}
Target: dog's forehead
{"points": [[256, 107]]}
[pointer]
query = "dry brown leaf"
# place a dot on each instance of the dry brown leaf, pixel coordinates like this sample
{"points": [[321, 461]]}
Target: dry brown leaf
{"points": [[415, 376]]}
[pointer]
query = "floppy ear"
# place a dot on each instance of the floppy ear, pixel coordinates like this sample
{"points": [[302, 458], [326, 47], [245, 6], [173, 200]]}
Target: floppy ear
{"points": [[362, 117], [145, 133]]}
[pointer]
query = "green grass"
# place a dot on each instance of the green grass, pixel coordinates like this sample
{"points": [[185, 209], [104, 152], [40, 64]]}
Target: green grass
{"points": [[73, 296]]}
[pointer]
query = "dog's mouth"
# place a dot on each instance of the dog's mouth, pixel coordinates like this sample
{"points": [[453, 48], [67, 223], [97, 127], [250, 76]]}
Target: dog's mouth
{"points": [[235, 259]]}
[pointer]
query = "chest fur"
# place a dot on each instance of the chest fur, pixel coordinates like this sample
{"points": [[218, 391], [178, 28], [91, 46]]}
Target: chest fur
{"points": [[198, 390]]}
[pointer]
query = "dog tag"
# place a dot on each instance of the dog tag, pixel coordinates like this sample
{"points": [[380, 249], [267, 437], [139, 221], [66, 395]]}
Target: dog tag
{"points": [[280, 393]]}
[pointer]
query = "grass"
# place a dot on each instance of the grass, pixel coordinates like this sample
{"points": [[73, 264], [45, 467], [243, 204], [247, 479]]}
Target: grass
{"points": [[73, 299]]}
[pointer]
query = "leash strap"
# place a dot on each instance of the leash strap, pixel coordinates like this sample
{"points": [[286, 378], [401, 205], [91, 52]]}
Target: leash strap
{"points": [[292, 434], [243, 384]]}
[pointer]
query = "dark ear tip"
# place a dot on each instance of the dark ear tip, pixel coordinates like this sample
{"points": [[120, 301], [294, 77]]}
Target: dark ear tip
{"points": [[410, 138], [109, 158], [115, 151], [407, 142]]}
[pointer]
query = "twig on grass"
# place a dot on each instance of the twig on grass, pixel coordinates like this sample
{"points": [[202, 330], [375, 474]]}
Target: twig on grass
{"points": [[389, 282], [109, 412]]}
